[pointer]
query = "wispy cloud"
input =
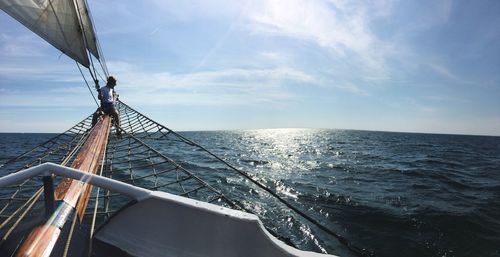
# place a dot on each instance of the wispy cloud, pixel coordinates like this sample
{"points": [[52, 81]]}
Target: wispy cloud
{"points": [[195, 10], [219, 87], [446, 98], [21, 46], [341, 26], [23, 99], [444, 71], [437, 13], [314, 21], [275, 57], [131, 75], [41, 71], [351, 88]]}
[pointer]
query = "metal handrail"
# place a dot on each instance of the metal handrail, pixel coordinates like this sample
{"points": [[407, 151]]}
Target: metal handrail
{"points": [[49, 168]]}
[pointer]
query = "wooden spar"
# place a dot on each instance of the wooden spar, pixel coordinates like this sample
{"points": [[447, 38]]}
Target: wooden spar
{"points": [[88, 159], [42, 239]]}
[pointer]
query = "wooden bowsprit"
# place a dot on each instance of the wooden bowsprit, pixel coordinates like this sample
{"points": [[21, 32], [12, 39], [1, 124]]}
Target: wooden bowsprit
{"points": [[74, 194]]}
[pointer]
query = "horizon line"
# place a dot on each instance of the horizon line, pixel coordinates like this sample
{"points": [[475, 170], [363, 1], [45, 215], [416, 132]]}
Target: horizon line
{"points": [[291, 128]]}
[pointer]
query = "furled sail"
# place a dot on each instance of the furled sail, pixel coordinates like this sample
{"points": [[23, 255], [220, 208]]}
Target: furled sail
{"points": [[56, 21]]}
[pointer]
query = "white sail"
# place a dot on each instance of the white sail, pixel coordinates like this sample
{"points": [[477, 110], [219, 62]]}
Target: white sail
{"points": [[56, 21], [88, 29]]}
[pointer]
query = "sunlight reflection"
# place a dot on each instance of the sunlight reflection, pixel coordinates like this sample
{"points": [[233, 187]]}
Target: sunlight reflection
{"points": [[283, 157]]}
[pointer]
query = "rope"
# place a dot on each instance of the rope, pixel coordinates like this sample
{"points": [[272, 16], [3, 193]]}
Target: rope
{"points": [[70, 235], [343, 240], [45, 154], [93, 72], [37, 195], [134, 144], [173, 162], [359, 251], [90, 90], [84, 37], [98, 45], [21, 217], [100, 76], [91, 234]]}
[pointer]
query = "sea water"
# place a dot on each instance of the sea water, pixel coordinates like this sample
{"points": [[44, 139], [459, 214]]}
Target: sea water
{"points": [[394, 194]]}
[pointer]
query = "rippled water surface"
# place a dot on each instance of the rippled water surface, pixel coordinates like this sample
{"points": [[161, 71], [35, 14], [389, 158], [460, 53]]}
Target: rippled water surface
{"points": [[394, 194]]}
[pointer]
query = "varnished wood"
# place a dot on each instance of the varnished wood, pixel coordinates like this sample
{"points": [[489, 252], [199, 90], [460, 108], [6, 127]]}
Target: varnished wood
{"points": [[39, 242], [42, 239], [87, 188], [88, 159]]}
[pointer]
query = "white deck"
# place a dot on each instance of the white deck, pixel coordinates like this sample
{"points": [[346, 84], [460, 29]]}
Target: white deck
{"points": [[170, 225]]}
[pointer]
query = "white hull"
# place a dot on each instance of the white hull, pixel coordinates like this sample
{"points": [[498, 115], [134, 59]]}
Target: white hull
{"points": [[163, 224]]}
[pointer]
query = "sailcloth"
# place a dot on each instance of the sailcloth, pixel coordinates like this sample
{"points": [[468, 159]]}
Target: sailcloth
{"points": [[58, 22], [88, 28]]}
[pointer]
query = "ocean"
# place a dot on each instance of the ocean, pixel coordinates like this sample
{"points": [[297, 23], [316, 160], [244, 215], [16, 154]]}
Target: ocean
{"points": [[393, 194]]}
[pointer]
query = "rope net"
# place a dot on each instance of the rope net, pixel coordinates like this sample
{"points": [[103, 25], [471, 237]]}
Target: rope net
{"points": [[147, 155]]}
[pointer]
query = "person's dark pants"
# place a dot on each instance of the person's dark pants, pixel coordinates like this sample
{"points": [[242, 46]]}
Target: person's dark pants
{"points": [[96, 115], [109, 109]]}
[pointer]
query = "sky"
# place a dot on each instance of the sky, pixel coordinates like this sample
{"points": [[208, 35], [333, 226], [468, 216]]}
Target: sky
{"points": [[413, 66]]}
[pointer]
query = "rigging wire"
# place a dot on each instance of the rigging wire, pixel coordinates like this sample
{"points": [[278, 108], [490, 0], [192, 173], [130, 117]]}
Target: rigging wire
{"points": [[34, 198], [246, 175], [93, 71], [355, 249], [100, 76], [92, 226], [360, 251], [103, 62], [95, 100], [101, 59], [97, 43], [84, 37]]}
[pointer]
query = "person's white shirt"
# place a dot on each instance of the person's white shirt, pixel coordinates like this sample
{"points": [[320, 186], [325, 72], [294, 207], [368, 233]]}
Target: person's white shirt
{"points": [[107, 94]]}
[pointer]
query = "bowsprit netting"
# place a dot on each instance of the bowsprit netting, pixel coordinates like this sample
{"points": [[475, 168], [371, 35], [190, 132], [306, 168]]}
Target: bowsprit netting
{"points": [[133, 159], [148, 155], [130, 159], [60, 149], [22, 204]]}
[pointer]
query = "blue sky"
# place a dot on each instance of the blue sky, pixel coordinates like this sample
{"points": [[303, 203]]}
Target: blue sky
{"points": [[422, 66]]}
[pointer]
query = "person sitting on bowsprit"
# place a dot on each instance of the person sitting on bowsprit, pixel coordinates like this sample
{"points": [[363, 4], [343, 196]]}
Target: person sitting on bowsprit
{"points": [[108, 99]]}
